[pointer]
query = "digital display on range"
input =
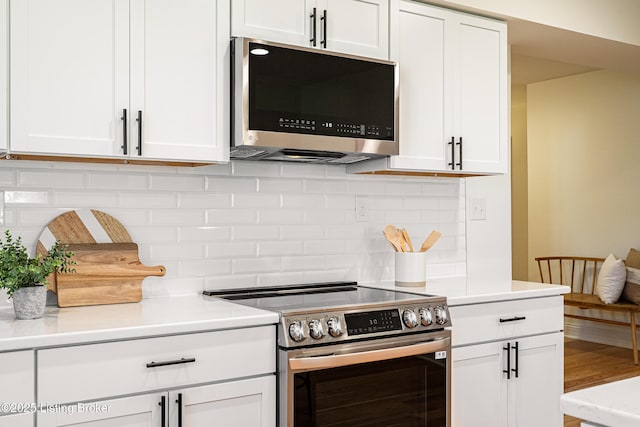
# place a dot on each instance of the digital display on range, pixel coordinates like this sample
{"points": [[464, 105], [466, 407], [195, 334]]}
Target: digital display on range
{"points": [[373, 321]]}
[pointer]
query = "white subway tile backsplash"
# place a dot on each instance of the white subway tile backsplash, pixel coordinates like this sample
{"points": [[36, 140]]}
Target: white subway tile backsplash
{"points": [[255, 232], [147, 200], [253, 200], [279, 216], [261, 169], [224, 184], [226, 249], [271, 185], [120, 181], [7, 177], [176, 183], [246, 223], [50, 179], [231, 216], [256, 265], [26, 197], [85, 199], [177, 217]]}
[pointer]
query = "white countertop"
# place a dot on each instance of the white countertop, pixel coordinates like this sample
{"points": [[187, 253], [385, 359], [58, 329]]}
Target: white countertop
{"points": [[461, 291], [615, 404], [195, 313], [150, 317]]}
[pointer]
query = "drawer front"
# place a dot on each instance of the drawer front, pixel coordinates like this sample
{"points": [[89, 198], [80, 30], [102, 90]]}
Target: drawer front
{"points": [[479, 323], [18, 380], [78, 373]]}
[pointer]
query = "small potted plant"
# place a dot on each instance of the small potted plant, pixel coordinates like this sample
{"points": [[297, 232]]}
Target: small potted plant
{"points": [[25, 278]]}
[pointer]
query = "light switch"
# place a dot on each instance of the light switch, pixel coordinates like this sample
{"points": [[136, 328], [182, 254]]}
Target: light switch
{"points": [[478, 210]]}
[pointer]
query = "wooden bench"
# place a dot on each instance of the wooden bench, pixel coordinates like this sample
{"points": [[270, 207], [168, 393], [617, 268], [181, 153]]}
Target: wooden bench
{"points": [[580, 273]]}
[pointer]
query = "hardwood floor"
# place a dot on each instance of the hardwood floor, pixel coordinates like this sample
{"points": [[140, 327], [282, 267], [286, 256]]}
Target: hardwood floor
{"points": [[587, 364]]}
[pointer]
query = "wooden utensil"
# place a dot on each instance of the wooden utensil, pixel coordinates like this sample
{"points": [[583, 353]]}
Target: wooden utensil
{"points": [[407, 239], [391, 234], [430, 240], [108, 269]]}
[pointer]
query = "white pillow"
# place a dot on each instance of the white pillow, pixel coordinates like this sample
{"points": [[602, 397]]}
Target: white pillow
{"points": [[611, 279]]}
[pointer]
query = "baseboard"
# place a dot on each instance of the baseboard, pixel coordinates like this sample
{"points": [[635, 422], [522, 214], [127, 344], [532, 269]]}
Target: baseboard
{"points": [[619, 336]]}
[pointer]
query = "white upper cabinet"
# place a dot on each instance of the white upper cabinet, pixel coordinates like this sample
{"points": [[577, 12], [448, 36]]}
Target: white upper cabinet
{"points": [[453, 92], [4, 64], [111, 78], [69, 76], [358, 27]]}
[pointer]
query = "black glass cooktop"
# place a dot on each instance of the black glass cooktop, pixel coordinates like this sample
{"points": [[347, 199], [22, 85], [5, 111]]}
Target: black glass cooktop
{"points": [[342, 295]]}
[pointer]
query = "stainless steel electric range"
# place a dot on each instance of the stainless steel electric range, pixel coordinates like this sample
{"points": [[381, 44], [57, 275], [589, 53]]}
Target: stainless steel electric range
{"points": [[351, 355]]}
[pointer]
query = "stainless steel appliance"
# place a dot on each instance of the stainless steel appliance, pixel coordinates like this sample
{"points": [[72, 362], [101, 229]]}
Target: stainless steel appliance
{"points": [[350, 355], [301, 104]]}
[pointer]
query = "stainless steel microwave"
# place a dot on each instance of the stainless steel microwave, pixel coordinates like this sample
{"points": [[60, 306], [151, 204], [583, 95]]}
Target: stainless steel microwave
{"points": [[301, 104]]}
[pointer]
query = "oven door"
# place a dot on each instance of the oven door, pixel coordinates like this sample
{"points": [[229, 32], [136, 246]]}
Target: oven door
{"points": [[402, 381]]}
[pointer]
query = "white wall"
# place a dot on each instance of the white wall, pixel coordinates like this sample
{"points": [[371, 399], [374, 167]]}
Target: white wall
{"points": [[250, 225], [583, 176]]}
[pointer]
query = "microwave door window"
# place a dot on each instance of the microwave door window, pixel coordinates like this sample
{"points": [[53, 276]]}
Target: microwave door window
{"points": [[303, 92]]}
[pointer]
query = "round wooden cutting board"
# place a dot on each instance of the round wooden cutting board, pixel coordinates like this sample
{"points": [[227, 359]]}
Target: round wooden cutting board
{"points": [[108, 269]]}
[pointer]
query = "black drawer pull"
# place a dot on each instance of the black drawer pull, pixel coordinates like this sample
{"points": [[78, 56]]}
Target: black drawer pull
{"points": [[508, 370], [171, 362], [513, 319]]}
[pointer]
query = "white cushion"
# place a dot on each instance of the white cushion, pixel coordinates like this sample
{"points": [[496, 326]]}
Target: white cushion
{"points": [[611, 279]]}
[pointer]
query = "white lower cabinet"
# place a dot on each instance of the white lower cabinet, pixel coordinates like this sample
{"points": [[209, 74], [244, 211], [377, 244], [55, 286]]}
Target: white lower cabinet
{"points": [[516, 380], [222, 377], [244, 403], [17, 420]]}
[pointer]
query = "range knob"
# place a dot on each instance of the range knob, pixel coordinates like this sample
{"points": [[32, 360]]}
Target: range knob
{"points": [[425, 316], [334, 327], [410, 319], [316, 331], [296, 331], [441, 315]]}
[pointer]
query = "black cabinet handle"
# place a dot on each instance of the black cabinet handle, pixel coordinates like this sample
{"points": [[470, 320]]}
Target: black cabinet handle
{"points": [[179, 402], [323, 42], [124, 132], [512, 319], [508, 370], [453, 154], [171, 362], [163, 415], [139, 120], [515, 350], [459, 164], [312, 40]]}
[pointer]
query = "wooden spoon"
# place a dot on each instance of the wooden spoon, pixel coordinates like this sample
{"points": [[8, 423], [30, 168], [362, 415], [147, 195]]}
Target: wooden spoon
{"points": [[407, 239], [430, 240], [391, 234]]}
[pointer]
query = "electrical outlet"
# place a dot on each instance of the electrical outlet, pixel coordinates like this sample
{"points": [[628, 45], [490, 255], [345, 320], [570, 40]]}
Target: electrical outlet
{"points": [[362, 209], [478, 210]]}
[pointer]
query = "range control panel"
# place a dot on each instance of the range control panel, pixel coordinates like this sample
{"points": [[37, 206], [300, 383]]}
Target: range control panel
{"points": [[333, 327]]}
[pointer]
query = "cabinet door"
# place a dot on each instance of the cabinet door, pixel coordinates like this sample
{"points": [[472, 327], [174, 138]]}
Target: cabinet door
{"points": [[4, 64], [136, 411], [69, 76], [419, 45], [180, 80], [480, 93], [358, 27], [246, 403], [478, 386], [284, 21], [17, 420], [535, 394]]}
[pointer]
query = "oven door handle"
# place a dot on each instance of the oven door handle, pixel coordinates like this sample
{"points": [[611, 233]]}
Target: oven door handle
{"points": [[337, 360]]}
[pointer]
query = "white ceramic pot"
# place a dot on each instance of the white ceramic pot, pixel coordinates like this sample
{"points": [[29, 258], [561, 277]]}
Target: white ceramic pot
{"points": [[29, 302]]}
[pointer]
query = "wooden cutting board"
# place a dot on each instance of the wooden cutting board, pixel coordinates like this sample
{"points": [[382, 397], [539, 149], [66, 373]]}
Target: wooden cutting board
{"points": [[108, 268]]}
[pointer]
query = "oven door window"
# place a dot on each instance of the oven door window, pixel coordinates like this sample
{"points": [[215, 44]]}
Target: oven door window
{"points": [[409, 391]]}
